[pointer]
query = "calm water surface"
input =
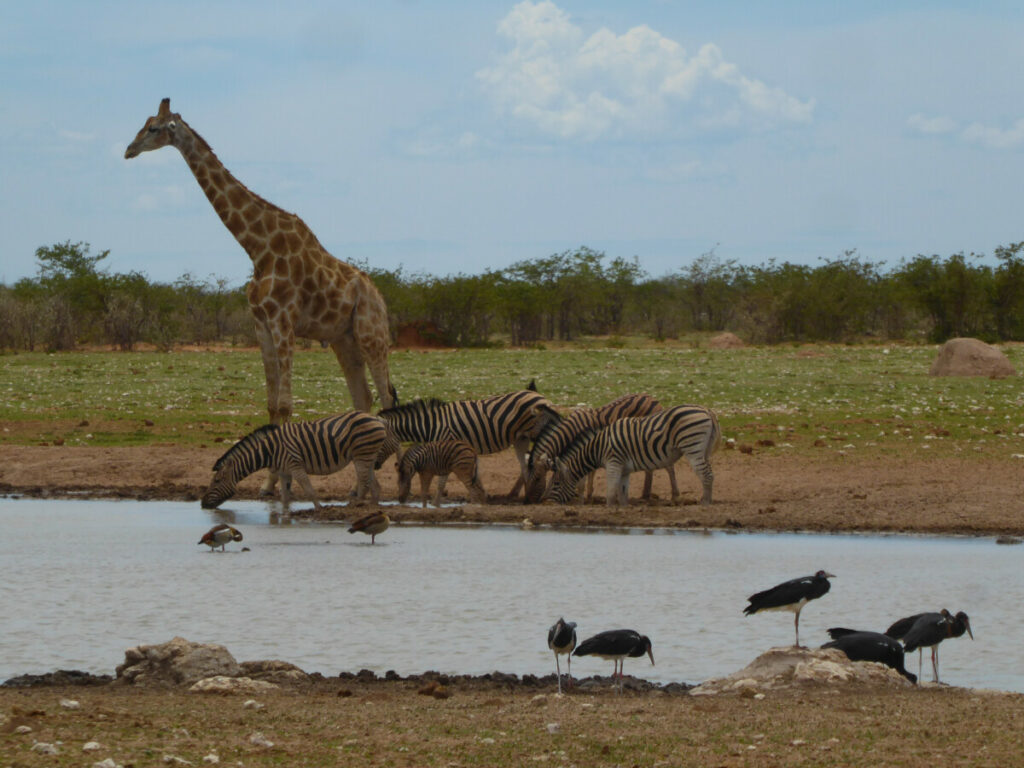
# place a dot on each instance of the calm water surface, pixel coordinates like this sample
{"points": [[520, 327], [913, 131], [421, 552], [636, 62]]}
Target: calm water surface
{"points": [[83, 580]]}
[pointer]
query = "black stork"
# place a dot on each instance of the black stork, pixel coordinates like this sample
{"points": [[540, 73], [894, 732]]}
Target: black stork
{"points": [[616, 644], [931, 629], [791, 595], [562, 640], [220, 535], [372, 524], [870, 646], [899, 628]]}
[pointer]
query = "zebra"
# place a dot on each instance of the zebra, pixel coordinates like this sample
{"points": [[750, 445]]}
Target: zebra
{"points": [[632, 444], [489, 425], [441, 458], [300, 449], [560, 432]]}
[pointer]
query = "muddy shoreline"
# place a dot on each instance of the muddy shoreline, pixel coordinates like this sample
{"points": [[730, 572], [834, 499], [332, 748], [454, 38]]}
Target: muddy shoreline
{"points": [[766, 491]]}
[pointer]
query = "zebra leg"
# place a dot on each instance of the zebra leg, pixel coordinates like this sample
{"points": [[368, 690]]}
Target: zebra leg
{"points": [[702, 467], [613, 479], [425, 479], [442, 481], [522, 447], [648, 479], [299, 473], [366, 480], [590, 487], [671, 469]]}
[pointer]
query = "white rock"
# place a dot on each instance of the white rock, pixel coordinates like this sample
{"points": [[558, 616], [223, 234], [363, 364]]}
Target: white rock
{"points": [[252, 704], [91, 746], [257, 739], [554, 728], [211, 759], [175, 760], [222, 684], [107, 763], [23, 729], [45, 748], [70, 704]]}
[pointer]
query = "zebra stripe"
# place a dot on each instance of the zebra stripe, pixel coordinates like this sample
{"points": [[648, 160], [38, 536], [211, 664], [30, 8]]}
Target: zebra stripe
{"points": [[489, 425], [633, 444], [440, 458], [561, 432], [300, 449]]}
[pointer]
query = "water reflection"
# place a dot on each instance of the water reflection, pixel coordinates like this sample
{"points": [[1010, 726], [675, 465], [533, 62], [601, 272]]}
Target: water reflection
{"points": [[86, 579]]}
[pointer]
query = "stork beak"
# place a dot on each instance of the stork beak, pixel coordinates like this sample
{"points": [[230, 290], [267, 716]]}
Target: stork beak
{"points": [[967, 622], [650, 652], [829, 575]]}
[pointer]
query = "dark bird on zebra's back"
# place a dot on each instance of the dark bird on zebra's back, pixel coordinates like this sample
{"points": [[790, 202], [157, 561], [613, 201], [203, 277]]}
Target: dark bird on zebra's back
{"points": [[220, 535], [931, 629], [616, 644], [562, 640], [371, 524], [870, 646], [791, 595]]}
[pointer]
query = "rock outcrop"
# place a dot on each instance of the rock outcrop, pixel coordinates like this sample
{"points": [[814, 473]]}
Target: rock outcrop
{"points": [[177, 662], [789, 667], [970, 357]]}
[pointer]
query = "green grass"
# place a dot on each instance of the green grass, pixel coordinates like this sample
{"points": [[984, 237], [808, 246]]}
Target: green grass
{"points": [[864, 400]]}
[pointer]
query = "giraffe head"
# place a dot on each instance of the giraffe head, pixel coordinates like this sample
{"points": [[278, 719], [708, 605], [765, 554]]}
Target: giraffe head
{"points": [[158, 131]]}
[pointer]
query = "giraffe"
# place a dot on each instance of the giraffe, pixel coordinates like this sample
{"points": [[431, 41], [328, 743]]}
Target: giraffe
{"points": [[297, 287]]}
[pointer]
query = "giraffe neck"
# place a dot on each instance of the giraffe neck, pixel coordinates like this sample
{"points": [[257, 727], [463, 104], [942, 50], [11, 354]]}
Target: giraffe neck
{"points": [[241, 210]]}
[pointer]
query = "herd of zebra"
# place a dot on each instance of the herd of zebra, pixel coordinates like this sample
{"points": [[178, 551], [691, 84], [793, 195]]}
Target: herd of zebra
{"points": [[630, 434]]}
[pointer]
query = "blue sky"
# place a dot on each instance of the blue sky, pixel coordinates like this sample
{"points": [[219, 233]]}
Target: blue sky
{"points": [[448, 137]]}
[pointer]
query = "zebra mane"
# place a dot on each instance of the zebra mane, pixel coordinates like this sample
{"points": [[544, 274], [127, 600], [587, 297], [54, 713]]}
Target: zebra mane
{"points": [[417, 405], [257, 434], [554, 419], [580, 440]]}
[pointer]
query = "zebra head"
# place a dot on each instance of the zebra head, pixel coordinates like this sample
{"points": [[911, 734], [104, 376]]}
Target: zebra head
{"points": [[563, 486], [243, 458], [408, 465]]}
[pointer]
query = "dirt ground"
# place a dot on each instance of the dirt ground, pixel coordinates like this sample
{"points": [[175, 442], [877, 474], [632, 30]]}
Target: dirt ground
{"points": [[356, 722], [759, 491]]}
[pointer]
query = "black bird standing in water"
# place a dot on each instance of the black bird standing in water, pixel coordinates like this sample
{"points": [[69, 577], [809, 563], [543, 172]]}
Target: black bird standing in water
{"points": [[562, 640], [791, 595], [616, 644], [931, 629], [899, 628], [870, 646]]}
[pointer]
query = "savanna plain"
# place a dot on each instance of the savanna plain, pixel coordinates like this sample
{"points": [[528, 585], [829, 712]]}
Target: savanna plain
{"points": [[819, 437]]}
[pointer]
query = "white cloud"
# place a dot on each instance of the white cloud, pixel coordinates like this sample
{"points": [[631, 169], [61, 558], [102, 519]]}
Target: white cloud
{"points": [[931, 125], [573, 86], [996, 138]]}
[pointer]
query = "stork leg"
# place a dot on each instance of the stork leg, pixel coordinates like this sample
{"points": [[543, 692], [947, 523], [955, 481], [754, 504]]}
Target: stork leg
{"points": [[920, 654], [568, 664], [796, 623], [558, 671], [935, 663]]}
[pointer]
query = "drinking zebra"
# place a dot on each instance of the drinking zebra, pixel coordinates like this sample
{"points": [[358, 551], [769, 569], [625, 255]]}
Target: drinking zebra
{"points": [[560, 432], [633, 444], [489, 425], [441, 458], [299, 449]]}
